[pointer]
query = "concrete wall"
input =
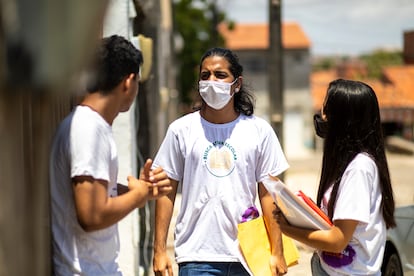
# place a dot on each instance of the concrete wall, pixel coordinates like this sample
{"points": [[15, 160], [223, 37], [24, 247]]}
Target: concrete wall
{"points": [[118, 20], [41, 50], [298, 124], [297, 68]]}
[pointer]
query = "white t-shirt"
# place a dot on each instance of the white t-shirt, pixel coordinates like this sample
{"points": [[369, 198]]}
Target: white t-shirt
{"points": [[83, 145], [219, 166], [359, 198]]}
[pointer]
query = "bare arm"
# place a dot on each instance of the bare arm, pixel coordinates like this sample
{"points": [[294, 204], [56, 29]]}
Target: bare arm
{"points": [[333, 240], [277, 261], [95, 210], [163, 213]]}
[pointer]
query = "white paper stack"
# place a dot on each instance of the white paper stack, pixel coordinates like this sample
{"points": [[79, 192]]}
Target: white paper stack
{"points": [[296, 210]]}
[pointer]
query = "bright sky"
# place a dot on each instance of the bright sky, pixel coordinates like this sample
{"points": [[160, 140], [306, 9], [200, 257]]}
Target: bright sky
{"points": [[339, 27]]}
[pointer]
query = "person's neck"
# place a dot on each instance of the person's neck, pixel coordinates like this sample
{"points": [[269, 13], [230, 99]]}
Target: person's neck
{"points": [[104, 105], [222, 116]]}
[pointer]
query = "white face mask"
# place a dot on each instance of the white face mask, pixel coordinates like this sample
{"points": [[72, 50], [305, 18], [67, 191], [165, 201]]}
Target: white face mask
{"points": [[215, 93]]}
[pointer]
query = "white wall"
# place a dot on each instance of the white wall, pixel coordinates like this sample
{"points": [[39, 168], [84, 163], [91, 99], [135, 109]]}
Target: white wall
{"points": [[297, 124], [118, 21]]}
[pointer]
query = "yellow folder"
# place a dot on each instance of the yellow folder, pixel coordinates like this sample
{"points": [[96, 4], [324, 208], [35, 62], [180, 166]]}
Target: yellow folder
{"points": [[255, 247]]}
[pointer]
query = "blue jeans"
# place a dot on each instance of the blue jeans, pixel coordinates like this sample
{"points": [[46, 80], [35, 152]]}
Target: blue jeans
{"points": [[316, 266], [212, 268]]}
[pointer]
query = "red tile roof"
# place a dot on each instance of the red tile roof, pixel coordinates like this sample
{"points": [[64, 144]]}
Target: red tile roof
{"points": [[396, 93], [402, 78], [319, 84], [256, 36]]}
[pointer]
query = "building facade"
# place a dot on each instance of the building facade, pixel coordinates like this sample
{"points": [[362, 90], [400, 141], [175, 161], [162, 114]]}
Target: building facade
{"points": [[253, 55]]}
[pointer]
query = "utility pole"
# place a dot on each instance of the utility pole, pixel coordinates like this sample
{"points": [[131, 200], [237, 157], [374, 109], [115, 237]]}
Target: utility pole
{"points": [[275, 69], [214, 22]]}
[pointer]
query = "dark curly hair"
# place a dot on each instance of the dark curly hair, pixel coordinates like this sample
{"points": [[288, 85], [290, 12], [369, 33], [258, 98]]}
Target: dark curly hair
{"points": [[114, 60]]}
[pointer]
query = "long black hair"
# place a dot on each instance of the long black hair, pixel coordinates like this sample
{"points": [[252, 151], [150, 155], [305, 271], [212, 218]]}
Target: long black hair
{"points": [[354, 126], [243, 100]]}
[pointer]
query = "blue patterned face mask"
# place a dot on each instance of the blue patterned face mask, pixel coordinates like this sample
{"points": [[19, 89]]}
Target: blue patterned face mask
{"points": [[216, 94]]}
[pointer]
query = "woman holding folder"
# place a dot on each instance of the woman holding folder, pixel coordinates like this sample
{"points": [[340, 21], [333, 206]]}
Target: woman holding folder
{"points": [[355, 188]]}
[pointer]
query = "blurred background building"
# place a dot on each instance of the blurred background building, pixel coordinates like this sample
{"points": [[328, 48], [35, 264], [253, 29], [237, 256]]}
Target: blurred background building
{"points": [[253, 55]]}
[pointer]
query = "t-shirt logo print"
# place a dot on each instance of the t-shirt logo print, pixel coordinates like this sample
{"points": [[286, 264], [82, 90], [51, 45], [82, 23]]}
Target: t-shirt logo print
{"points": [[219, 158]]}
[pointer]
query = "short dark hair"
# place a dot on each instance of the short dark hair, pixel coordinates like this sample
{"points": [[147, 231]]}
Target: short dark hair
{"points": [[243, 100], [115, 58]]}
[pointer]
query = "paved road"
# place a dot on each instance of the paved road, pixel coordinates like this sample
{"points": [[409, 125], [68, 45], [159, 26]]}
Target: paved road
{"points": [[304, 174]]}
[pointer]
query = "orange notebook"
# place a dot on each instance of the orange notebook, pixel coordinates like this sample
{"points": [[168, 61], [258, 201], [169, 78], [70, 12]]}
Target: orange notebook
{"points": [[314, 207]]}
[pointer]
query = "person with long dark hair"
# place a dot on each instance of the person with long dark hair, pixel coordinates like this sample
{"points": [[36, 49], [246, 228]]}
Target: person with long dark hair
{"points": [[220, 153], [355, 188]]}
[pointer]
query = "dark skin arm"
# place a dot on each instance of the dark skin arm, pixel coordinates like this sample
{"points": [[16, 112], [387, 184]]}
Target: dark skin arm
{"points": [[162, 264], [95, 210], [333, 240], [277, 260]]}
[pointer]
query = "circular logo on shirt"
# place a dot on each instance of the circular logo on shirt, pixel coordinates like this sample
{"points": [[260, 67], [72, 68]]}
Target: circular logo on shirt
{"points": [[219, 158]]}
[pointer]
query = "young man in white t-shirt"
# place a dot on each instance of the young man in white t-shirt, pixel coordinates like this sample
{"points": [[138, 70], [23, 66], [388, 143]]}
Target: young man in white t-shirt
{"points": [[220, 154], [86, 202]]}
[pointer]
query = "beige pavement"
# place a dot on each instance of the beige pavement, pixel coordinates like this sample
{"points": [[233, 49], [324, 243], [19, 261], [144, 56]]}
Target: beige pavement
{"points": [[304, 175]]}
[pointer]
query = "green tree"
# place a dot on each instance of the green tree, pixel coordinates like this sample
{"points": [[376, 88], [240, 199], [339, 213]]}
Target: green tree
{"points": [[377, 60], [324, 63], [195, 22]]}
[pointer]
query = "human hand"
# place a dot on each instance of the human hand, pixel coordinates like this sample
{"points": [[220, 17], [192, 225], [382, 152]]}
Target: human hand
{"points": [[162, 265], [157, 180], [143, 190], [146, 175], [278, 265]]}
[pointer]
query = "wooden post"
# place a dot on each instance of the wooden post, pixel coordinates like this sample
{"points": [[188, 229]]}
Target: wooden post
{"points": [[27, 120], [275, 69]]}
